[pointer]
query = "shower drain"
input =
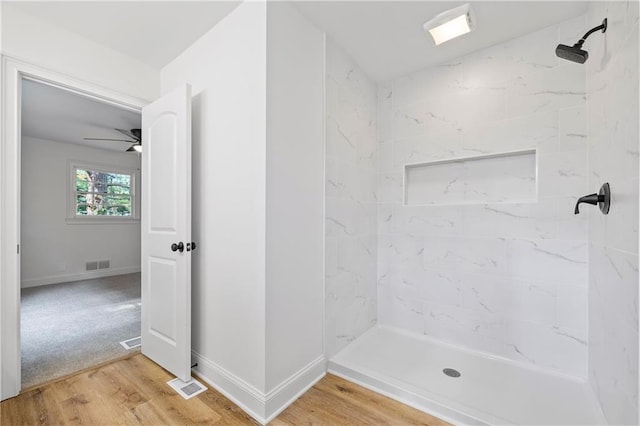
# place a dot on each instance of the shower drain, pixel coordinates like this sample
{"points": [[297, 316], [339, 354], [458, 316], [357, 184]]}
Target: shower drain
{"points": [[451, 372]]}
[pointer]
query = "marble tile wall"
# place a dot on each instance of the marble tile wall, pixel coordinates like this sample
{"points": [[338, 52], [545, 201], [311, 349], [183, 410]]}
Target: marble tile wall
{"points": [[351, 201], [506, 278], [613, 138]]}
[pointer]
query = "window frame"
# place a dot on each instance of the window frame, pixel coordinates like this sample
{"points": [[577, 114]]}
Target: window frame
{"points": [[134, 190]]}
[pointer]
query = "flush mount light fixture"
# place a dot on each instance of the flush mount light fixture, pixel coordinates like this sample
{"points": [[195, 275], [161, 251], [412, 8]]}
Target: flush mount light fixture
{"points": [[135, 148], [451, 24]]}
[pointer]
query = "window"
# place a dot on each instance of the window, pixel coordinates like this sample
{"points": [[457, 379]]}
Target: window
{"points": [[102, 193]]}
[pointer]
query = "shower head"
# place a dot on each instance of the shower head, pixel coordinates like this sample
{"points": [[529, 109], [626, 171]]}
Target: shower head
{"points": [[572, 53], [575, 53]]}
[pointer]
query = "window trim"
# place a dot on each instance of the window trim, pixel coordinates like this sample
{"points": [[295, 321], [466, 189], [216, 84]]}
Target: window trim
{"points": [[73, 218]]}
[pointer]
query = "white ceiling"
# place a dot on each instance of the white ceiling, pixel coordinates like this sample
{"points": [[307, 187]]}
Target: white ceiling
{"points": [[55, 114], [386, 39], [154, 32]]}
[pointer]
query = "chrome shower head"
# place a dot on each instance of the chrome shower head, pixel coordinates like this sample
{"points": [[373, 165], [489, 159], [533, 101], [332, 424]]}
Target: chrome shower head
{"points": [[575, 53]]}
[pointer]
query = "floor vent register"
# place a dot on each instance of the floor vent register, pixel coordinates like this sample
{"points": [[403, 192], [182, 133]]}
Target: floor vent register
{"points": [[132, 343], [187, 389]]}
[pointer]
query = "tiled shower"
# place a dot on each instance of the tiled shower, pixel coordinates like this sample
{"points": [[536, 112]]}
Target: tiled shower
{"points": [[450, 198]]}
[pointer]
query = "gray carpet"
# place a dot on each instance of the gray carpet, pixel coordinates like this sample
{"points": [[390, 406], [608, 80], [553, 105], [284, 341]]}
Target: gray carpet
{"points": [[72, 326]]}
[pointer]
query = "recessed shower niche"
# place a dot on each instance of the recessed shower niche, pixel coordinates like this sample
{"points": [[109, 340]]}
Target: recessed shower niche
{"points": [[509, 177]]}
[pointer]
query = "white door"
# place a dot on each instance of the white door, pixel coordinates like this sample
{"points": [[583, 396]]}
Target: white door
{"points": [[166, 232]]}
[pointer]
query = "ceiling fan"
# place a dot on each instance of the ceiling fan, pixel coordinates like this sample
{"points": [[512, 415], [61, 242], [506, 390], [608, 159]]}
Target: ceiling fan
{"points": [[134, 134]]}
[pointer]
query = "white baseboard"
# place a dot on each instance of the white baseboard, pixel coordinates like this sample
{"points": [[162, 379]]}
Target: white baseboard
{"points": [[79, 276], [283, 395], [245, 396], [262, 407]]}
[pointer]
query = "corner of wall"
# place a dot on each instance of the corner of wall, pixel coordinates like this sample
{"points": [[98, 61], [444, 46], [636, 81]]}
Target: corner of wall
{"points": [[294, 194], [613, 145], [279, 398], [351, 198], [241, 393], [263, 407], [226, 68]]}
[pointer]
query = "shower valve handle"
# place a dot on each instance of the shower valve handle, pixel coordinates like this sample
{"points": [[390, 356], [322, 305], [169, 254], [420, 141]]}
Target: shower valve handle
{"points": [[593, 199], [601, 199]]}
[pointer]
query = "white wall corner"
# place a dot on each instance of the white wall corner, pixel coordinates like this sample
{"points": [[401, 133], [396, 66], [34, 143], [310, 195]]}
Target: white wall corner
{"points": [[283, 395], [263, 407], [245, 396]]}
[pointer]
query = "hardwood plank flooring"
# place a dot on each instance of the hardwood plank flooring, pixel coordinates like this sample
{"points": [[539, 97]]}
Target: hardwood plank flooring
{"points": [[133, 391], [335, 401]]}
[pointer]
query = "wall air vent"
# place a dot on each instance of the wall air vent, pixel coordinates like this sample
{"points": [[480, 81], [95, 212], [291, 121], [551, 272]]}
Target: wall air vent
{"points": [[92, 265]]}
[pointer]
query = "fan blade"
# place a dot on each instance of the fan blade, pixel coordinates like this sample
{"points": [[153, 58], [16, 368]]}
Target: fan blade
{"points": [[101, 139], [127, 133]]}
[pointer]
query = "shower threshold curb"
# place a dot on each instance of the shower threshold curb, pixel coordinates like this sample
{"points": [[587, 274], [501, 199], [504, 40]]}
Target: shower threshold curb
{"points": [[416, 399]]}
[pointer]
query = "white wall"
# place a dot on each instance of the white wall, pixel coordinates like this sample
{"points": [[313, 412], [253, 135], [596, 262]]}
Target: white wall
{"points": [[52, 250], [227, 71], [30, 39], [295, 196], [507, 278], [351, 193], [613, 138], [258, 202]]}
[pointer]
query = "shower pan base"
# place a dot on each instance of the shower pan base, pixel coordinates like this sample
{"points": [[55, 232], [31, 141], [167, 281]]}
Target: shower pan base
{"points": [[490, 390]]}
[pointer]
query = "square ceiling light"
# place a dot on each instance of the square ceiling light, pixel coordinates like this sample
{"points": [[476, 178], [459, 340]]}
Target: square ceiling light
{"points": [[451, 24]]}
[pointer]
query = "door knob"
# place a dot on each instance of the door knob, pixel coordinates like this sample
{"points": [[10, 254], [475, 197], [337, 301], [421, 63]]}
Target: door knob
{"points": [[602, 199], [191, 246], [177, 247]]}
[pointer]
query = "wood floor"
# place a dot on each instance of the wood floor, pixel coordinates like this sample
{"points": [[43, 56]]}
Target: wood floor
{"points": [[133, 391]]}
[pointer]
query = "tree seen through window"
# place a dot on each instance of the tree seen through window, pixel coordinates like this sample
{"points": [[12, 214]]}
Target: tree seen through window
{"points": [[100, 193]]}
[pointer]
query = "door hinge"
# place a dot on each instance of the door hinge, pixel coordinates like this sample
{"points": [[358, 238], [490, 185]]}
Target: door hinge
{"points": [[18, 249]]}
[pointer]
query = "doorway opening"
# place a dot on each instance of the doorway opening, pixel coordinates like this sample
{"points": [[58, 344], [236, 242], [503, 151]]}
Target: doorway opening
{"points": [[79, 231]]}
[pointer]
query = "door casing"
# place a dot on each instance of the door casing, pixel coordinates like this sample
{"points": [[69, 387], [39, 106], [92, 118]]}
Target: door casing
{"points": [[13, 72]]}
